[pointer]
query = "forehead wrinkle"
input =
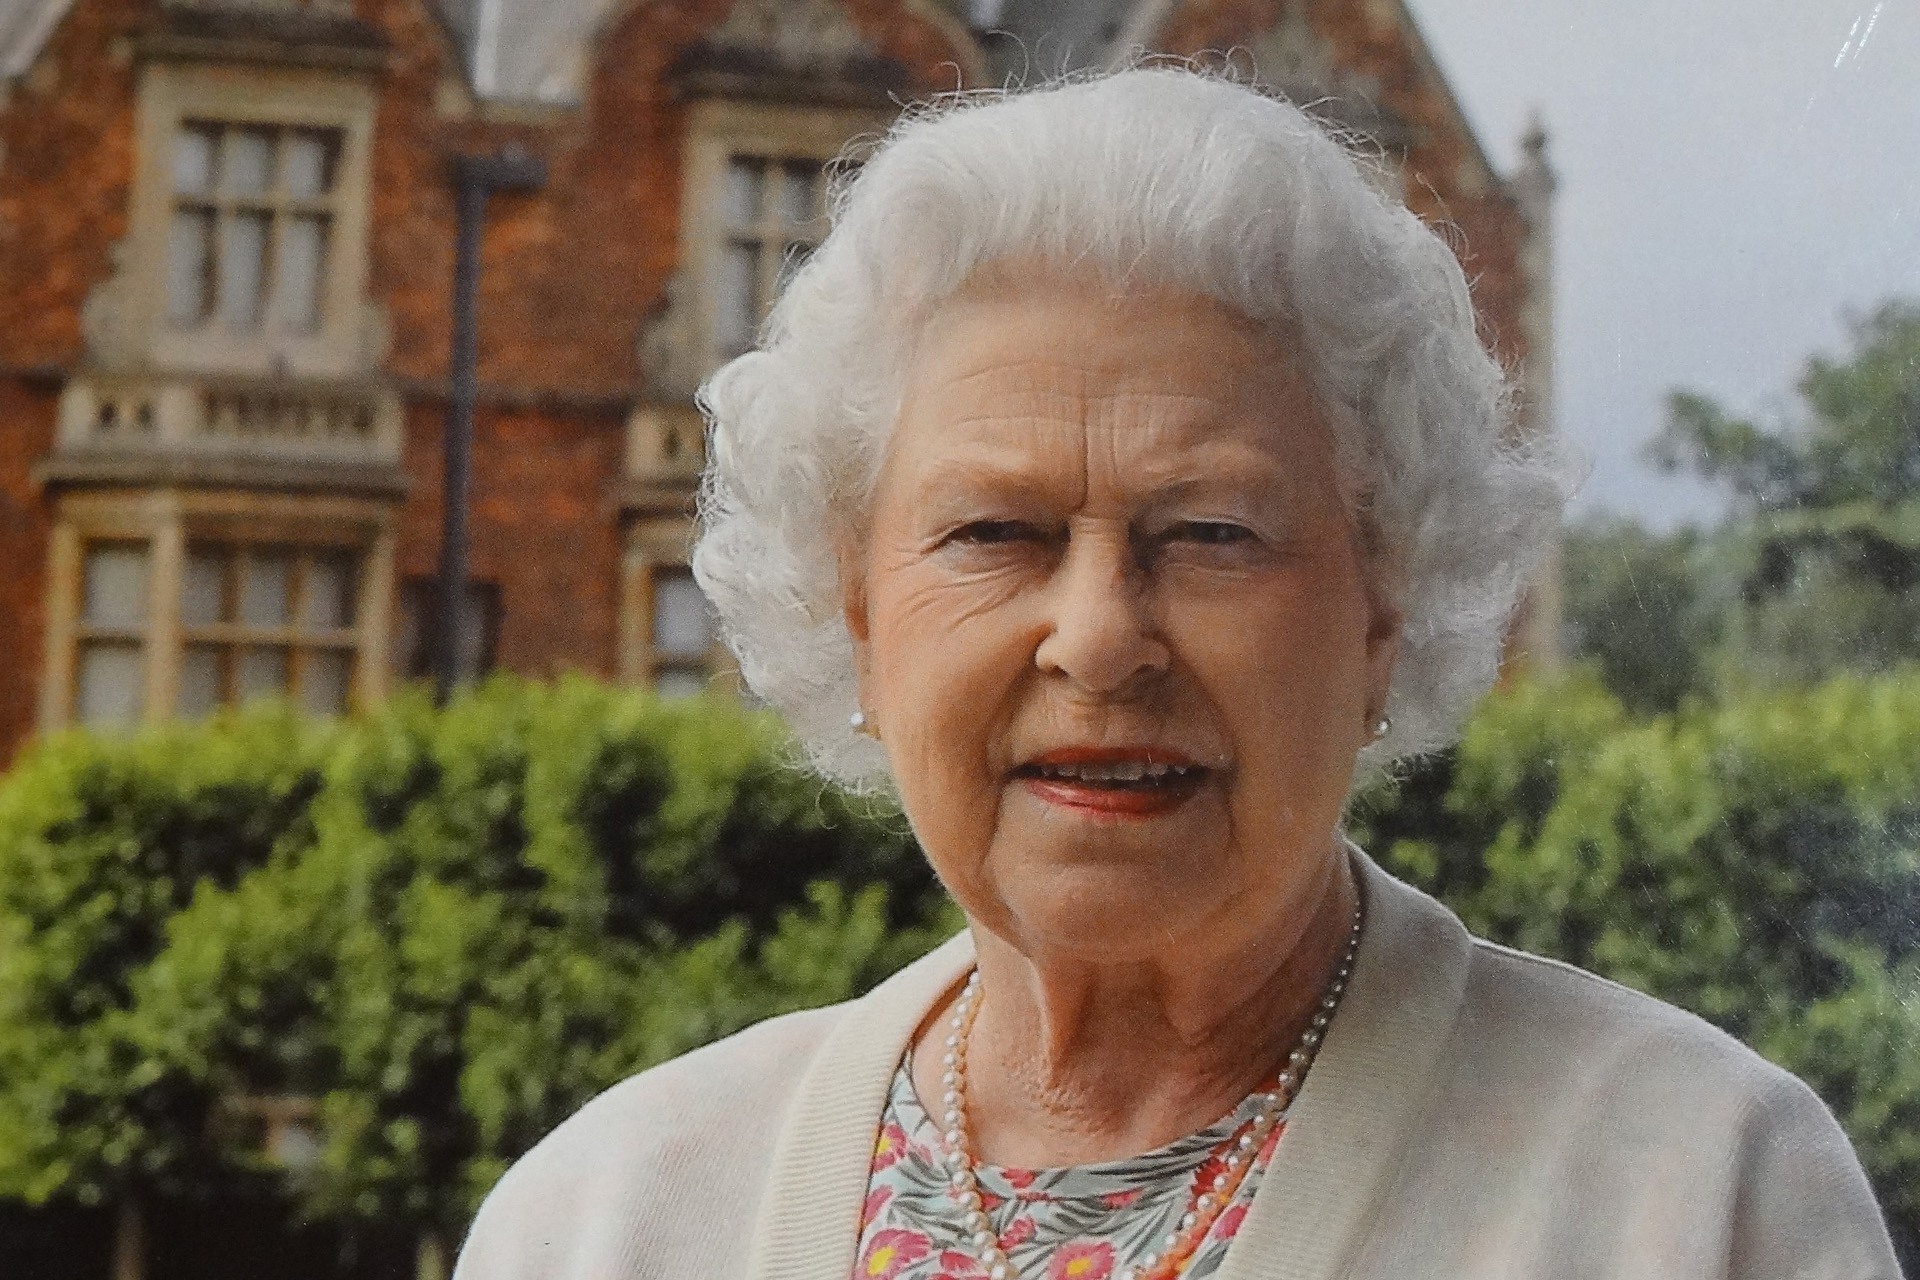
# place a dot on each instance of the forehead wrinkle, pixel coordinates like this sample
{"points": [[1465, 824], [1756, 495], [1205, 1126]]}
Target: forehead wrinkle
{"points": [[1196, 455]]}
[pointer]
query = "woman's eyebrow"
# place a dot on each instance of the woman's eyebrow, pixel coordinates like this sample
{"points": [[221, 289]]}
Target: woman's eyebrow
{"points": [[1011, 474], [1257, 486]]}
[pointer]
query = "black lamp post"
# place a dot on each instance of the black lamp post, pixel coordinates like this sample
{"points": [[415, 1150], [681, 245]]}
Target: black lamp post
{"points": [[474, 179]]}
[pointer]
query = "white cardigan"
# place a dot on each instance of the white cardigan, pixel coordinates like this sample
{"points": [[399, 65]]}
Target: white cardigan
{"points": [[1474, 1112]]}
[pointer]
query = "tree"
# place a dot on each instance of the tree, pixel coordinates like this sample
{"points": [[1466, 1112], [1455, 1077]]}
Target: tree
{"points": [[431, 934], [103, 843], [1858, 441], [1827, 514], [1644, 608]]}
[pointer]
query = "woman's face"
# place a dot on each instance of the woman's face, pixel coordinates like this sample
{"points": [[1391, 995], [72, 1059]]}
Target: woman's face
{"points": [[1112, 622]]}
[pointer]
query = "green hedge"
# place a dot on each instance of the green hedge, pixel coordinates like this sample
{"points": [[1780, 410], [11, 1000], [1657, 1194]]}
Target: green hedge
{"points": [[452, 927]]}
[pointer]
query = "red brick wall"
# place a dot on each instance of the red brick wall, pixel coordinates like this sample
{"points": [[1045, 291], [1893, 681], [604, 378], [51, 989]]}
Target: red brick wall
{"points": [[573, 273], [570, 277], [67, 137], [544, 528], [26, 432]]}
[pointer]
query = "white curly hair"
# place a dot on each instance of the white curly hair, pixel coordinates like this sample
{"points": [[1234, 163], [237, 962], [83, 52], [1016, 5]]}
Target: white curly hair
{"points": [[1161, 174]]}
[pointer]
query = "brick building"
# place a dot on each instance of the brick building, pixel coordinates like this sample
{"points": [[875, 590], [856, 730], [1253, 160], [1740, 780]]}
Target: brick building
{"points": [[226, 245]]}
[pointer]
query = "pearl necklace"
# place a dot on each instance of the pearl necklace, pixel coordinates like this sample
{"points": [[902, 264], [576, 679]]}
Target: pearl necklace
{"points": [[1179, 1245]]}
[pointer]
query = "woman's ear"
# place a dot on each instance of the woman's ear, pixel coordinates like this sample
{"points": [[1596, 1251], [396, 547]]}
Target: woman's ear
{"points": [[1383, 650], [853, 608]]}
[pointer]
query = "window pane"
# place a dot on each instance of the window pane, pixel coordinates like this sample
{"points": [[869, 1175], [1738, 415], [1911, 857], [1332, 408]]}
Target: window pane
{"points": [[308, 163], [193, 159], [323, 684], [247, 168], [799, 194], [329, 605], [116, 587], [682, 624], [418, 611], [200, 683], [677, 682], [243, 269], [265, 589], [189, 266], [111, 676], [735, 302], [740, 200], [302, 271], [203, 588], [262, 673]]}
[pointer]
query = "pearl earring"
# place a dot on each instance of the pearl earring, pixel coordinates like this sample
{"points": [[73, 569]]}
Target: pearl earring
{"points": [[1382, 727], [858, 722]]}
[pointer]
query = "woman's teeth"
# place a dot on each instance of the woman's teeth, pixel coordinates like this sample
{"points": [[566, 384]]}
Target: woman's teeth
{"points": [[1118, 771]]}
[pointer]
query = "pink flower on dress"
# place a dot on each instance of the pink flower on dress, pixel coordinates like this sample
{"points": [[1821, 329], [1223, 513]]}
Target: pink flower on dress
{"points": [[892, 1251], [890, 1147], [955, 1265], [990, 1201], [1018, 1232], [1020, 1178], [1120, 1199], [1229, 1223], [1273, 1140], [1081, 1260], [875, 1202]]}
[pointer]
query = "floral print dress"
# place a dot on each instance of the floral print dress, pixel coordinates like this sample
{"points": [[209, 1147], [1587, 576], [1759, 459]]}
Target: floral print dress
{"points": [[1084, 1222]]}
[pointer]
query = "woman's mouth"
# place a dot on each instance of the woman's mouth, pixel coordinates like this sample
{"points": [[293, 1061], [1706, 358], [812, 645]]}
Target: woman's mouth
{"points": [[1125, 782]]}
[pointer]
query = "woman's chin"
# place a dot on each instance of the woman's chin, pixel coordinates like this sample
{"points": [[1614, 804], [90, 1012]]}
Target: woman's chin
{"points": [[1105, 913]]}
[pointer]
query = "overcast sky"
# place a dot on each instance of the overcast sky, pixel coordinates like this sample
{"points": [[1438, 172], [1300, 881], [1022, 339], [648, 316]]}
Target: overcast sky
{"points": [[1735, 175]]}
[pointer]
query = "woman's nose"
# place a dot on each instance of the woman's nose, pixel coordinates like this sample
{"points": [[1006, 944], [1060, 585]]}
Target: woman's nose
{"points": [[1103, 635]]}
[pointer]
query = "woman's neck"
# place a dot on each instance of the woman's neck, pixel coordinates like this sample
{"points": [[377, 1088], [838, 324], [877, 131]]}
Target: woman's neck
{"points": [[1071, 1062]]}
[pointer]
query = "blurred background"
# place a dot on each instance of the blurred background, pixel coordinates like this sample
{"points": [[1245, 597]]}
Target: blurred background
{"points": [[373, 787]]}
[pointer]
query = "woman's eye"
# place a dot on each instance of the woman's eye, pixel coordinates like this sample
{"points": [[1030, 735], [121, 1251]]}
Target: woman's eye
{"points": [[1209, 533], [992, 532]]}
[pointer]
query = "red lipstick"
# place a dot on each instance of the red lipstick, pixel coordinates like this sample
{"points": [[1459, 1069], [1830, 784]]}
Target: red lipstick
{"points": [[1113, 782]]}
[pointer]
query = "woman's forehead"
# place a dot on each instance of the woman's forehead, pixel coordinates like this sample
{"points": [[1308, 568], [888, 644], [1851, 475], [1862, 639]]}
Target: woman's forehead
{"points": [[1173, 389], [1135, 447]]}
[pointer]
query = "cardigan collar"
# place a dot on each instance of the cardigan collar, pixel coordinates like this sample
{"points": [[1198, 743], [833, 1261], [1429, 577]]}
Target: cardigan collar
{"points": [[1345, 1131]]}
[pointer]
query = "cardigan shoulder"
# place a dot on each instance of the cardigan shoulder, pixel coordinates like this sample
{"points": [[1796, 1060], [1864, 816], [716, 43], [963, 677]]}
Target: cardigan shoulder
{"points": [[1596, 1019], [672, 1149], [674, 1172], [1582, 1101], [747, 1073]]}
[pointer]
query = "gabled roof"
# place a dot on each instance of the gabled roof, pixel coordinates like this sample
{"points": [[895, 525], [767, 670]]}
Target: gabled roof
{"points": [[539, 51]]}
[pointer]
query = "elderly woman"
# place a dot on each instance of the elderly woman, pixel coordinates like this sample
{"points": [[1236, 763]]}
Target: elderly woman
{"points": [[1119, 482]]}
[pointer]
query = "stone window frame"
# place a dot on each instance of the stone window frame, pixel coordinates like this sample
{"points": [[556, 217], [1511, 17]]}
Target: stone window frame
{"points": [[657, 547], [167, 521], [717, 131], [174, 95]]}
